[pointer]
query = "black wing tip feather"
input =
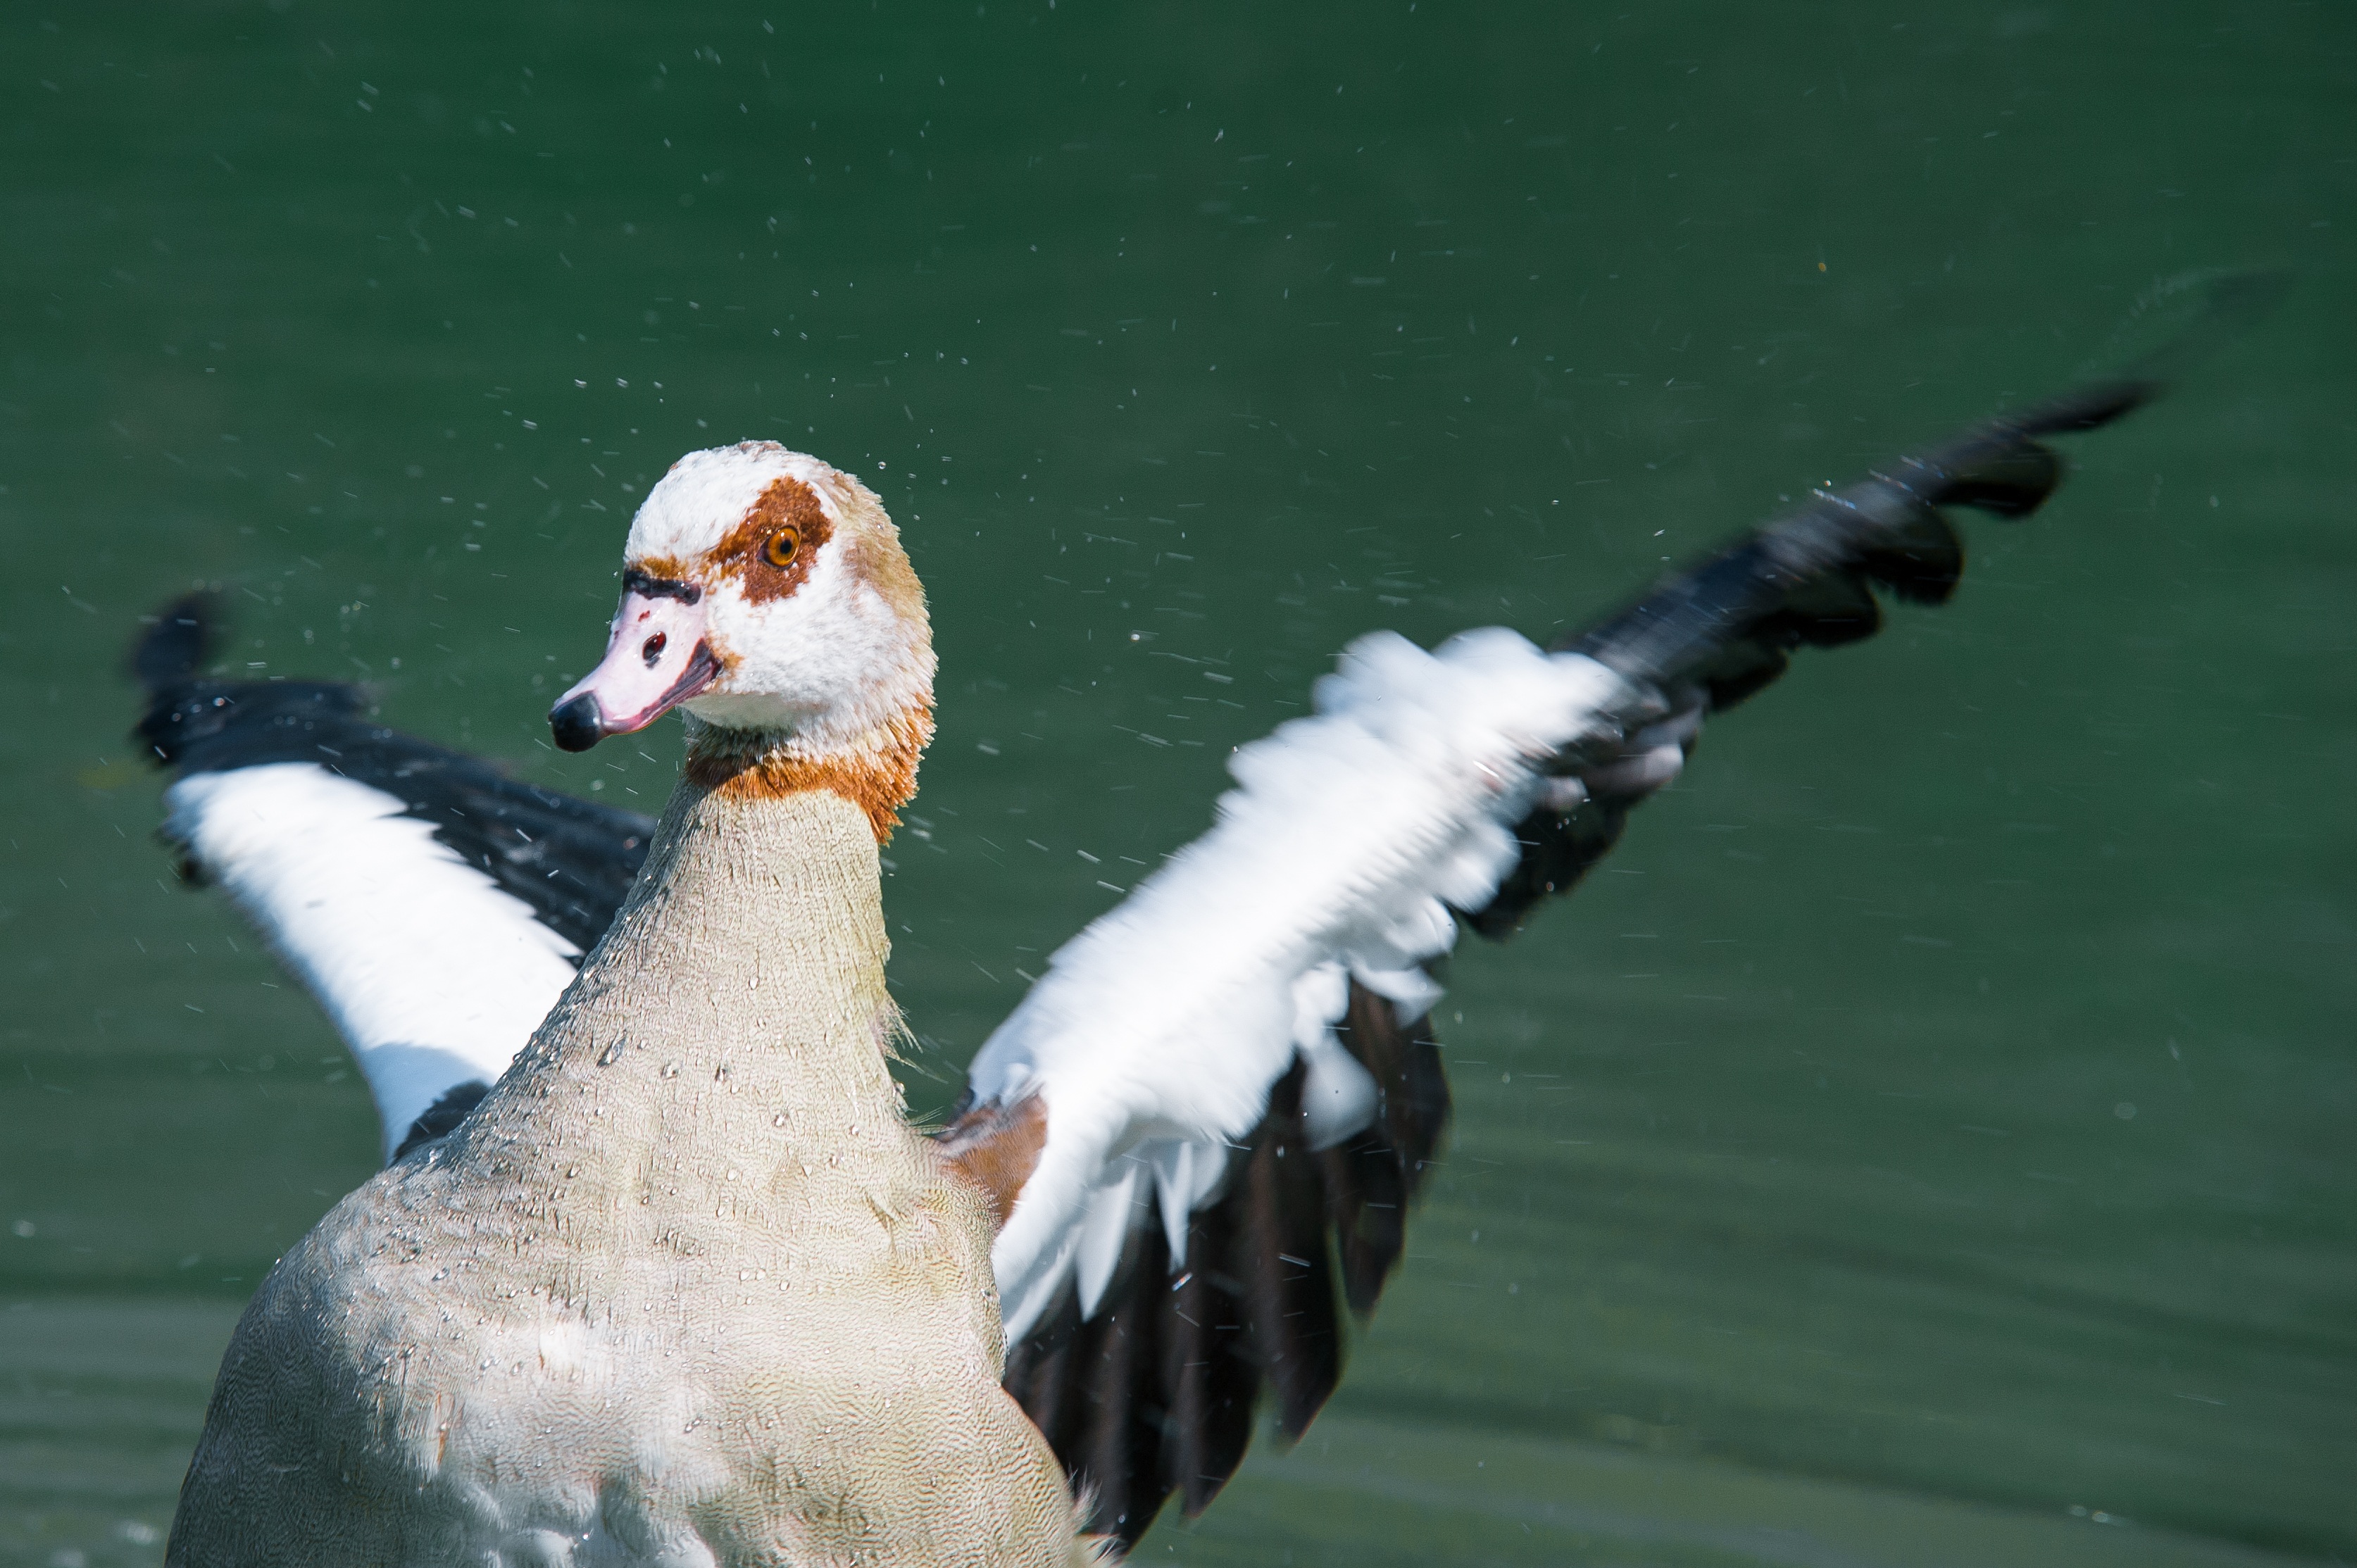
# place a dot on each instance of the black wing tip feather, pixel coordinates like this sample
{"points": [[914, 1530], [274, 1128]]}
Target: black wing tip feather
{"points": [[1726, 625], [1157, 1394], [179, 640], [197, 724], [1806, 578], [2088, 407]]}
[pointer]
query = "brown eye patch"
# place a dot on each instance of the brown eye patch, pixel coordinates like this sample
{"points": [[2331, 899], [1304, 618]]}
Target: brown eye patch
{"points": [[771, 552]]}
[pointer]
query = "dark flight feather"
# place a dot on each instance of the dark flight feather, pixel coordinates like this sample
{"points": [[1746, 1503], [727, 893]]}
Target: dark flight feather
{"points": [[1157, 1393], [1709, 636]]}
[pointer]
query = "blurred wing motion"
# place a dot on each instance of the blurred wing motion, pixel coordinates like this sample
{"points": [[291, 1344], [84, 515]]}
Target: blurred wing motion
{"points": [[435, 907], [1204, 1125], [1212, 1109]]}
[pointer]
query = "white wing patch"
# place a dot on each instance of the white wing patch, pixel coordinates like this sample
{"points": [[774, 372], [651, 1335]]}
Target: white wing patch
{"points": [[431, 973], [1156, 1034]]}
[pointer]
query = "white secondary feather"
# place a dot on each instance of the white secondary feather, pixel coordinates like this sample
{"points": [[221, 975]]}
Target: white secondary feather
{"points": [[1156, 1034], [431, 973]]}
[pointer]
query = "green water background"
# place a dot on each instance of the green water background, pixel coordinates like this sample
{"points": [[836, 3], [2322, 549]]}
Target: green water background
{"points": [[1926, 1143]]}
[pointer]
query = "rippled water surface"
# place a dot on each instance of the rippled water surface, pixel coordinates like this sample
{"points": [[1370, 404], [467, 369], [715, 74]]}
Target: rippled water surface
{"points": [[1926, 1143]]}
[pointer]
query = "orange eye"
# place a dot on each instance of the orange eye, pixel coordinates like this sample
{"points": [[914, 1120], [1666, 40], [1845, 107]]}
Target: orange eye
{"points": [[782, 547]]}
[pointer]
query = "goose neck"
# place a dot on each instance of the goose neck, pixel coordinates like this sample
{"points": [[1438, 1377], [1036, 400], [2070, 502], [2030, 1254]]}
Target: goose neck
{"points": [[739, 1000]]}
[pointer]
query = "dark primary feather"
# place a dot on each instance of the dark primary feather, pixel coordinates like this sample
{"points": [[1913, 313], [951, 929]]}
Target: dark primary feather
{"points": [[570, 860], [1156, 1393], [177, 642], [1729, 621], [1710, 635]]}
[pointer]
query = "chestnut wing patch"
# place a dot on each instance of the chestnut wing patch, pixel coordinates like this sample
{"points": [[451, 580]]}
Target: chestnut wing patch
{"points": [[996, 1147]]}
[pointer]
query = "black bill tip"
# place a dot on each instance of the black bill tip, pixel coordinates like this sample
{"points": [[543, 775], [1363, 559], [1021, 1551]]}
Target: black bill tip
{"points": [[577, 723]]}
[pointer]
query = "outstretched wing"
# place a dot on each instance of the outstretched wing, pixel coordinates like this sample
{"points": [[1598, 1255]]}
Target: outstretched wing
{"points": [[435, 907], [1203, 1123]]}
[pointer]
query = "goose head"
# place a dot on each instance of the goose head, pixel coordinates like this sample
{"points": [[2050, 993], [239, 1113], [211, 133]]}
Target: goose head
{"points": [[765, 592]]}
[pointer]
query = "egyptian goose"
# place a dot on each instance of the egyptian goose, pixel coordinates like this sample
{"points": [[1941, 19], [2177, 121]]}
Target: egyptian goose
{"points": [[659, 1272]]}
